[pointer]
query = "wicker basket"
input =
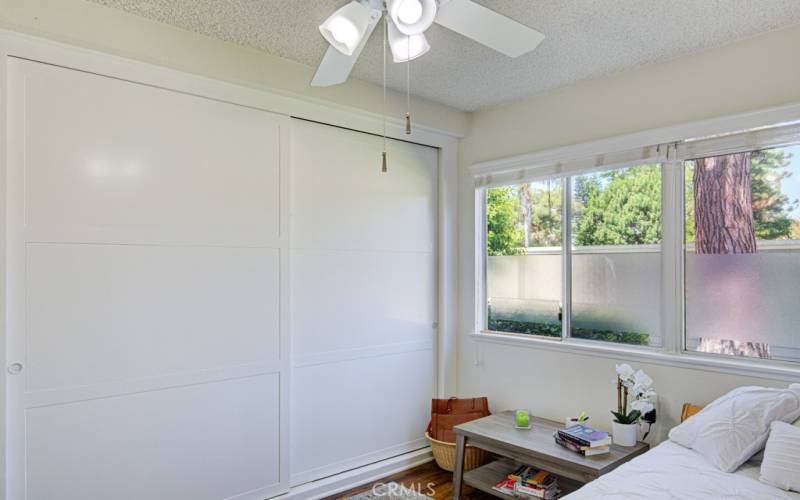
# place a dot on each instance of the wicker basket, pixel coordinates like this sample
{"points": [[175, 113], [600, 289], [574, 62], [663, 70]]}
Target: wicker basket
{"points": [[445, 455]]}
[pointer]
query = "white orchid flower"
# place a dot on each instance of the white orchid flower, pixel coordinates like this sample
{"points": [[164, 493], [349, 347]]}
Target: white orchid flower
{"points": [[643, 405], [641, 381], [647, 394], [624, 371]]}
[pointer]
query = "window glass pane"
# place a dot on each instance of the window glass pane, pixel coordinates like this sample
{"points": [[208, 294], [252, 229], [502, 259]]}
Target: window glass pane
{"points": [[743, 255], [523, 263], [616, 255]]}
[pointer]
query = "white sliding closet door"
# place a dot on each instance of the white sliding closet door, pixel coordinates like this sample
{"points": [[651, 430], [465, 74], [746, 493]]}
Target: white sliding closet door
{"points": [[363, 298], [147, 278]]}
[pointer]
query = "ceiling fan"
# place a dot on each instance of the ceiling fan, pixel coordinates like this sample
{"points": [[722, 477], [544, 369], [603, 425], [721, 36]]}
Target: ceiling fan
{"points": [[348, 29]]}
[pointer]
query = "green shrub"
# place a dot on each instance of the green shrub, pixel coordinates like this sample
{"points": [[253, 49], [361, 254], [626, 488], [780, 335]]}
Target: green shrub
{"points": [[554, 330]]}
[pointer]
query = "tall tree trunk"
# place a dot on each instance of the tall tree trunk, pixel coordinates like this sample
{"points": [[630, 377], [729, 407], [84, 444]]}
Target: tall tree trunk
{"points": [[723, 205], [734, 348], [525, 195]]}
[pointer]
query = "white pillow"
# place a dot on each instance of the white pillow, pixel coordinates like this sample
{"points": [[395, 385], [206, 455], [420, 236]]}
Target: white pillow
{"points": [[734, 427], [781, 465], [759, 457]]}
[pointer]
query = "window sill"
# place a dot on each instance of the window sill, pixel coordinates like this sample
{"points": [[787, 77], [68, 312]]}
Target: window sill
{"points": [[773, 370]]}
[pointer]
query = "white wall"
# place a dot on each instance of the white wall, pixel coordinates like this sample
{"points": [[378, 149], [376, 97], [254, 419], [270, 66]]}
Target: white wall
{"points": [[753, 74]]}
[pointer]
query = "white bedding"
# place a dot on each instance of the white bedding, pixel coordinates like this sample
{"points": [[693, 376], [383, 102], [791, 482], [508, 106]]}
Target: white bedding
{"points": [[670, 471]]}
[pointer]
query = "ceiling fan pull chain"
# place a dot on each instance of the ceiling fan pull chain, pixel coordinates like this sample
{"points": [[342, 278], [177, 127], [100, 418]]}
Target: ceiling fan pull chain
{"points": [[384, 167], [408, 88]]}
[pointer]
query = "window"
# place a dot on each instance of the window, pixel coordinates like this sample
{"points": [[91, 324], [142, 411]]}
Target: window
{"points": [[691, 247], [742, 226], [614, 257], [523, 266]]}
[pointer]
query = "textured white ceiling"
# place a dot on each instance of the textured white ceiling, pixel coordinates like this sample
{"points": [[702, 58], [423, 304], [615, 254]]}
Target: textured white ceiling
{"points": [[585, 39]]}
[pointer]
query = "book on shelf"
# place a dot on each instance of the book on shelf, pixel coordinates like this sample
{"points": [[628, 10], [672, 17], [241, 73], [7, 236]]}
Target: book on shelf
{"points": [[583, 450], [585, 436], [505, 486], [529, 482], [530, 475], [523, 491]]}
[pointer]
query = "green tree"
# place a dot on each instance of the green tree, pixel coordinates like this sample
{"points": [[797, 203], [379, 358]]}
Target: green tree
{"points": [[688, 186], [546, 202], [625, 211], [585, 187], [771, 207], [504, 236], [795, 234]]}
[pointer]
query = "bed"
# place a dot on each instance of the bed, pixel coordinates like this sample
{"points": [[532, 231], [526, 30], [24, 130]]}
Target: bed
{"points": [[671, 471]]}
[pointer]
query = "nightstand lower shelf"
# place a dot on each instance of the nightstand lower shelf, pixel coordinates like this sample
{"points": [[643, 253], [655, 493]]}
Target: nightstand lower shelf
{"points": [[485, 477]]}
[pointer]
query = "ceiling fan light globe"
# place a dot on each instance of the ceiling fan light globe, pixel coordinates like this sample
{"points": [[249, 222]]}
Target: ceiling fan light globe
{"points": [[409, 11], [406, 47], [421, 12], [345, 28], [343, 31]]}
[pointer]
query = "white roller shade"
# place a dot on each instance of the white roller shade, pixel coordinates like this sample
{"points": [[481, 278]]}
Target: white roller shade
{"points": [[751, 140], [527, 173]]}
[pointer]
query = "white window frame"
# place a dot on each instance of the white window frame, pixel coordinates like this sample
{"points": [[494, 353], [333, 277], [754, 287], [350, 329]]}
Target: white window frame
{"points": [[673, 351]]}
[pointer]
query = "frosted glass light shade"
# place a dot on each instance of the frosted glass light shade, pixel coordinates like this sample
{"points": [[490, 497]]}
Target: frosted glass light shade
{"points": [[412, 17], [406, 47], [345, 28]]}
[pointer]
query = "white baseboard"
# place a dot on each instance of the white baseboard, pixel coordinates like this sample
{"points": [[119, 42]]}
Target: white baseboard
{"points": [[363, 475], [376, 456]]}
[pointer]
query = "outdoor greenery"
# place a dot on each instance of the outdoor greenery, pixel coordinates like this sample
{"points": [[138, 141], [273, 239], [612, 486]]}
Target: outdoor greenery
{"points": [[771, 207], [621, 207], [545, 214], [504, 235], [554, 330]]}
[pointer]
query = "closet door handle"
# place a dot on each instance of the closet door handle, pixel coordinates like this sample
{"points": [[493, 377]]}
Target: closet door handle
{"points": [[15, 368]]}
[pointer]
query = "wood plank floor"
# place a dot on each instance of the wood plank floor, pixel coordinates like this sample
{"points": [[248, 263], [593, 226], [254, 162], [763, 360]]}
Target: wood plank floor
{"points": [[427, 479]]}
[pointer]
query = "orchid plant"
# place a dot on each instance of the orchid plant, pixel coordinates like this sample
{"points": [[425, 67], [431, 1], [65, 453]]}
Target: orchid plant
{"points": [[636, 388]]}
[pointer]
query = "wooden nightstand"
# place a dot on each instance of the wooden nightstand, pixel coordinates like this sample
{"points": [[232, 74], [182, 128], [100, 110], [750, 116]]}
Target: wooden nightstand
{"points": [[535, 447]]}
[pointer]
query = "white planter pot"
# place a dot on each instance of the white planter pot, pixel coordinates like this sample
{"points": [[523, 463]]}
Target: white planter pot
{"points": [[625, 434]]}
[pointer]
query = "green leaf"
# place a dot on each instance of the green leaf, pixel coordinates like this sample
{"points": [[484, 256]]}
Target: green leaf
{"points": [[630, 418]]}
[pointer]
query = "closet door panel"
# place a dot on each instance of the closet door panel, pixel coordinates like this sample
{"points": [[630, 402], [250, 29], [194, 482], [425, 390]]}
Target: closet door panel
{"points": [[95, 314], [107, 158], [342, 200], [377, 286], [349, 413], [363, 299], [201, 441], [147, 292]]}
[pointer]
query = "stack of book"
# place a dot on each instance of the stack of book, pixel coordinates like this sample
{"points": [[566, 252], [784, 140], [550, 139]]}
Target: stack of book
{"points": [[529, 482], [584, 440]]}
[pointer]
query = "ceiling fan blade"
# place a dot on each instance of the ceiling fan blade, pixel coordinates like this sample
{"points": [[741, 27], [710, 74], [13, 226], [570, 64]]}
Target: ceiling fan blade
{"points": [[335, 66], [487, 27]]}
